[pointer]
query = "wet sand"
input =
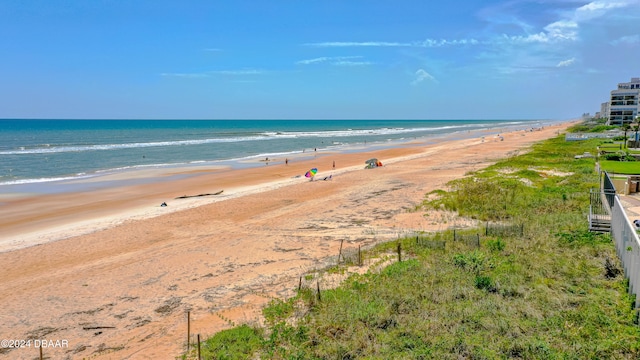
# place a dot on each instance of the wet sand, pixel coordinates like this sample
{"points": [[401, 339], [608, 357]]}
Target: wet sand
{"points": [[121, 289]]}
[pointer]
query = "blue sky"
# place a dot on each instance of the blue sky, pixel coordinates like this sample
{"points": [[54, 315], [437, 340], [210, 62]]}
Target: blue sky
{"points": [[330, 59]]}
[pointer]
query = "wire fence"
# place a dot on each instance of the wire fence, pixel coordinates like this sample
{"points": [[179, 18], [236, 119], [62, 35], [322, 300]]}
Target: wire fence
{"points": [[506, 230], [430, 243], [350, 257], [468, 239]]}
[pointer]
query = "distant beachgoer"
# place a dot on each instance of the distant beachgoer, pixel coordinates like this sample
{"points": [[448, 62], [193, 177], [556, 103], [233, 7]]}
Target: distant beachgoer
{"points": [[163, 204], [636, 223], [286, 161], [315, 149], [334, 165]]}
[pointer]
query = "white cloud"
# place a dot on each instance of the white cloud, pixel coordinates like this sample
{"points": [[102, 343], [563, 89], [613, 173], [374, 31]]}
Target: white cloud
{"points": [[335, 60], [562, 30], [627, 40], [520, 41], [422, 43], [444, 42], [566, 63], [558, 31], [313, 61], [598, 8], [351, 63], [566, 27], [421, 75]]}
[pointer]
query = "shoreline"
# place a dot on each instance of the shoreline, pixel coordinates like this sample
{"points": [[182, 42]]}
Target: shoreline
{"points": [[246, 159], [36, 185], [143, 190], [222, 260]]}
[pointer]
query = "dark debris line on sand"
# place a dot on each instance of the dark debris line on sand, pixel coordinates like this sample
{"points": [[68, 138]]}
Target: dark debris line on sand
{"points": [[190, 196]]}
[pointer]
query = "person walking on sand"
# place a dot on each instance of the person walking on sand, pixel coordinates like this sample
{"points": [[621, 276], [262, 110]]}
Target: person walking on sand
{"points": [[334, 164], [286, 161]]}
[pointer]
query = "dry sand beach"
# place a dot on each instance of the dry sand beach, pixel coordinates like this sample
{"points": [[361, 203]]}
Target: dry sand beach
{"points": [[114, 274]]}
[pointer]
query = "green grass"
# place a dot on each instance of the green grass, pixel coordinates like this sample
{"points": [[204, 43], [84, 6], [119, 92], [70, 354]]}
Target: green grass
{"points": [[617, 147], [596, 128], [234, 344], [621, 167], [546, 295]]}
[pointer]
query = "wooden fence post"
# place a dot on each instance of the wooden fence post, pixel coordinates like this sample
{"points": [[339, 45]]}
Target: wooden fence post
{"points": [[359, 256], [318, 285], [478, 235], [188, 329], [340, 253], [399, 252], [300, 284], [199, 358]]}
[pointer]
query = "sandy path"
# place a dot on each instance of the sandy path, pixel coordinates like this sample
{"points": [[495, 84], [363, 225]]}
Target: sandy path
{"points": [[123, 292]]}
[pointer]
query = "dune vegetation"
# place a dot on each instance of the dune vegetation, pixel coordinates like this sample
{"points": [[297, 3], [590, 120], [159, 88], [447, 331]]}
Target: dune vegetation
{"points": [[528, 281]]}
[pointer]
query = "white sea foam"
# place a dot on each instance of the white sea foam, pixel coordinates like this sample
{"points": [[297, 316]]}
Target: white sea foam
{"points": [[43, 180], [264, 136], [245, 146], [101, 147]]}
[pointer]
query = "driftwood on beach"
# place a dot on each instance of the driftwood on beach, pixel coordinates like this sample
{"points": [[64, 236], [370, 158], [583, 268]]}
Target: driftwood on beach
{"points": [[97, 327], [190, 196]]}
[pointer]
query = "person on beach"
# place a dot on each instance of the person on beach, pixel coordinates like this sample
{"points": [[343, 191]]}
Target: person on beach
{"points": [[334, 164], [286, 161]]}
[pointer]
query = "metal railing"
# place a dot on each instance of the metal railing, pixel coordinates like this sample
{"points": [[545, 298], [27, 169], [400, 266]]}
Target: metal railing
{"points": [[601, 202], [625, 238], [599, 211], [608, 188]]}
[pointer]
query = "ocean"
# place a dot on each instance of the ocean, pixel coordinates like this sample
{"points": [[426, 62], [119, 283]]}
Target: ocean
{"points": [[48, 151]]}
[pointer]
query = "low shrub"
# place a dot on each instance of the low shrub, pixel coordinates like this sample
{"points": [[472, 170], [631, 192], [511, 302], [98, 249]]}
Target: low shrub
{"points": [[497, 244]]}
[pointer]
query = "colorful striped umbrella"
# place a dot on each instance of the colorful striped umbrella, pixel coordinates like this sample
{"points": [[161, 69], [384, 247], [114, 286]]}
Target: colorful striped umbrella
{"points": [[311, 173]]}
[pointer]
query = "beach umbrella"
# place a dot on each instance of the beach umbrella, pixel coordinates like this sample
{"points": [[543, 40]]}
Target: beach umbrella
{"points": [[311, 173]]}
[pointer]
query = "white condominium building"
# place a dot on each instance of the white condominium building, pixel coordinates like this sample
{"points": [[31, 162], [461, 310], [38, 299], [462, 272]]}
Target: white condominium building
{"points": [[624, 105]]}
